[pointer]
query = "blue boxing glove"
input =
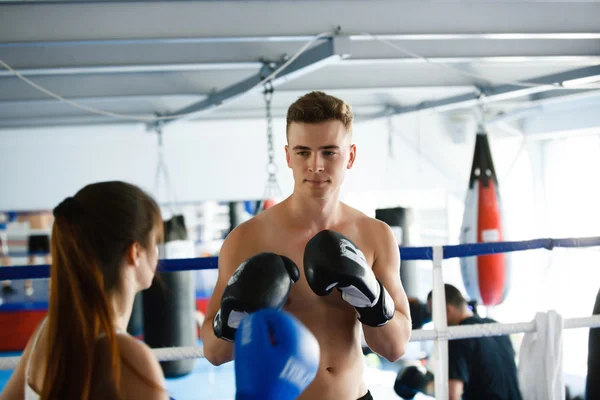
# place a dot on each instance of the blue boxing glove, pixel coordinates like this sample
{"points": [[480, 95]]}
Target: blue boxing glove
{"points": [[276, 356]]}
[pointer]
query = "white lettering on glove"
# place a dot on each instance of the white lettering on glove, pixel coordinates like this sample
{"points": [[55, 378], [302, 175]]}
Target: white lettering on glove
{"points": [[296, 373], [350, 251]]}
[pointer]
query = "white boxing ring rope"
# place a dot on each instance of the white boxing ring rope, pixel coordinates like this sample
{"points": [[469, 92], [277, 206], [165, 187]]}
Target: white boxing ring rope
{"points": [[419, 335]]}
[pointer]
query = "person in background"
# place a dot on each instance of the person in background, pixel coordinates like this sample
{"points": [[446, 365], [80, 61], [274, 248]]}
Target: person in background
{"points": [[478, 368], [592, 384]]}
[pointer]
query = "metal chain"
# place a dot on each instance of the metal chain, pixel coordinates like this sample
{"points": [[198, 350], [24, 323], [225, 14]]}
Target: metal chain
{"points": [[390, 132], [268, 93], [481, 108], [271, 165]]}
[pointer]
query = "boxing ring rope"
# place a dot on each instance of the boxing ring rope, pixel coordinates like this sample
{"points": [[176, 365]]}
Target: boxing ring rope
{"points": [[441, 332], [419, 335], [406, 253]]}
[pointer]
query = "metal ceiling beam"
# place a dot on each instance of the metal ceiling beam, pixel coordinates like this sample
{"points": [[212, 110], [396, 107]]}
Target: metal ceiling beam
{"points": [[303, 38], [363, 92], [109, 53], [133, 69], [45, 122], [168, 41], [332, 50], [228, 115], [99, 99], [557, 97], [135, 20], [497, 93], [485, 36], [244, 65], [476, 60]]}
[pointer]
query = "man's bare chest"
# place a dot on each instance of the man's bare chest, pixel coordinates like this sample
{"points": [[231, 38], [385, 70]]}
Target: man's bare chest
{"points": [[292, 245]]}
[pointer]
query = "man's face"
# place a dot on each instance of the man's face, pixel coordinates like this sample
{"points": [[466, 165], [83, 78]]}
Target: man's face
{"points": [[319, 155]]}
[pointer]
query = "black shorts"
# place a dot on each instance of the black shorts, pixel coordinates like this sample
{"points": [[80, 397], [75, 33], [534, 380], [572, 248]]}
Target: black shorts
{"points": [[38, 245], [367, 396]]}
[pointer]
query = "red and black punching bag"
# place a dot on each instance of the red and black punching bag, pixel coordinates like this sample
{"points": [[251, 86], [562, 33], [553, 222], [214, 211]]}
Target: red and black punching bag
{"points": [[486, 278], [268, 203]]}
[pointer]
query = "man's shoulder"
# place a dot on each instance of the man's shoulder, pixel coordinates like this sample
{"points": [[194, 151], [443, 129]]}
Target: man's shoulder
{"points": [[374, 234], [363, 220], [252, 230], [240, 244], [247, 229], [374, 228]]}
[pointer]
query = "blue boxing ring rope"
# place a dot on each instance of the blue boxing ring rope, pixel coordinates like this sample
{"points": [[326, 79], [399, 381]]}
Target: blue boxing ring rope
{"points": [[406, 253], [441, 332]]}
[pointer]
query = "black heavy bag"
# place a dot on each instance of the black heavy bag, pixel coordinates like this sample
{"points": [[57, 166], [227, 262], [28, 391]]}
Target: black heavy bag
{"points": [[170, 303], [136, 321], [401, 220], [175, 229]]}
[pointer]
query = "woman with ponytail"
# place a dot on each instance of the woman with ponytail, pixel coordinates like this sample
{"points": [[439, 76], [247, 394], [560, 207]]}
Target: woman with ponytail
{"points": [[104, 251]]}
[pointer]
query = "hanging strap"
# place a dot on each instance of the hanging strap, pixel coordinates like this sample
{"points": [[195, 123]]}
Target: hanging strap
{"points": [[161, 170]]}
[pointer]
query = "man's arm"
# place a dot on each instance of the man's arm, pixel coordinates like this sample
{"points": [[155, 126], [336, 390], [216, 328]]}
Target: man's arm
{"points": [[218, 351], [460, 353], [455, 389], [390, 340]]}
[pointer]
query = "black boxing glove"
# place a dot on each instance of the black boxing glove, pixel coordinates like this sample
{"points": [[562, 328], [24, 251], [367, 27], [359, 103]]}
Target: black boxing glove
{"points": [[262, 281], [332, 260], [412, 380]]}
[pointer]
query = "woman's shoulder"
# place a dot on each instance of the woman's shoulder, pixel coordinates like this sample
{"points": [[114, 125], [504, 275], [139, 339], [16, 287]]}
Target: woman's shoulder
{"points": [[141, 374], [140, 355]]}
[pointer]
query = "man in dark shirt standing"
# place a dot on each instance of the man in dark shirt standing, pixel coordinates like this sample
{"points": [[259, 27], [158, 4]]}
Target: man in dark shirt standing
{"points": [[592, 384], [478, 368]]}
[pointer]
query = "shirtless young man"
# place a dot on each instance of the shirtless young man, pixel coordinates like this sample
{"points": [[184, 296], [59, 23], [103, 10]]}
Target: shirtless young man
{"points": [[319, 151]]}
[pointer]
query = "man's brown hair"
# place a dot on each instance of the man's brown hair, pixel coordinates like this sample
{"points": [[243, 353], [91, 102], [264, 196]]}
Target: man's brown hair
{"points": [[316, 107], [453, 296]]}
